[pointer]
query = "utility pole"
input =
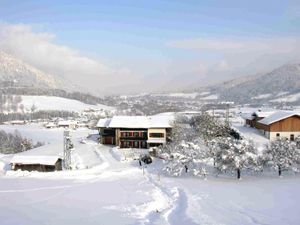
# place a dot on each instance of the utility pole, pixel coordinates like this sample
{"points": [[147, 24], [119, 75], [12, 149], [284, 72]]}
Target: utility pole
{"points": [[68, 146], [227, 113]]}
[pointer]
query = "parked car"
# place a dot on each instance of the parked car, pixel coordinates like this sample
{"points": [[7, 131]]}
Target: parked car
{"points": [[146, 159]]}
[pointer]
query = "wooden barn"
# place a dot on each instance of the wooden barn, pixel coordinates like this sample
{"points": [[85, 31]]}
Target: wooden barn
{"points": [[281, 124], [36, 163]]}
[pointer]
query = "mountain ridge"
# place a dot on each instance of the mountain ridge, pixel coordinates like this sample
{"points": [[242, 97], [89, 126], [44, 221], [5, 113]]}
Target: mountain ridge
{"points": [[18, 73], [283, 80]]}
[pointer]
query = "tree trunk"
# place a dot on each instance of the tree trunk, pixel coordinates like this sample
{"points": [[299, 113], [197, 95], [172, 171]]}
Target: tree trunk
{"points": [[279, 170], [238, 173], [186, 168]]}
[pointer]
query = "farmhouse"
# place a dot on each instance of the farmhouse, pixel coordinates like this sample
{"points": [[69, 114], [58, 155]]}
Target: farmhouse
{"points": [[281, 124], [135, 131], [70, 124], [36, 163]]}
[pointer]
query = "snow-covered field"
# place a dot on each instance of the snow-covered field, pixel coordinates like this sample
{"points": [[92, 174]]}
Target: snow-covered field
{"points": [[106, 189], [289, 98], [262, 96], [210, 97], [57, 103], [252, 134]]}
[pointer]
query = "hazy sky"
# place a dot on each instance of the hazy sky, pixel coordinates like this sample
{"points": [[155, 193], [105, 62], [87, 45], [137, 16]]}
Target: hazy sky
{"points": [[128, 46]]}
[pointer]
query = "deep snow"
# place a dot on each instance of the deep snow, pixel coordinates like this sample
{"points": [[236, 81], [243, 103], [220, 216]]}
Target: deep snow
{"points": [[106, 189]]}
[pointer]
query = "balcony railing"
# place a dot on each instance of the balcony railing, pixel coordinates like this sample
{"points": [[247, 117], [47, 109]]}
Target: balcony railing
{"points": [[135, 135]]}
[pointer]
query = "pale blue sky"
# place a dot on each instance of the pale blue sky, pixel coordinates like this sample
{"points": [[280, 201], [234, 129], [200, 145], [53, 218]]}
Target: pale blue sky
{"points": [[125, 33]]}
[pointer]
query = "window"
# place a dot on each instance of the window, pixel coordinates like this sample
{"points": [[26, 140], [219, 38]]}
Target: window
{"points": [[156, 135], [126, 144], [277, 135], [135, 134], [136, 144], [292, 137], [155, 144], [143, 144]]}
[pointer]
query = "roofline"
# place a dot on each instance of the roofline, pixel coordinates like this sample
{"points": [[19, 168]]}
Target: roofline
{"points": [[285, 117], [136, 127]]}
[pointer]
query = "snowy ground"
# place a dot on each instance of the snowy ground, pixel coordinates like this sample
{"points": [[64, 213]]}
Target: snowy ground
{"points": [[58, 103], [108, 190], [252, 134]]}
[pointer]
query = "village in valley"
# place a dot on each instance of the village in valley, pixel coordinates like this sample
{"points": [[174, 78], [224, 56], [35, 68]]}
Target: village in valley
{"points": [[165, 162]]}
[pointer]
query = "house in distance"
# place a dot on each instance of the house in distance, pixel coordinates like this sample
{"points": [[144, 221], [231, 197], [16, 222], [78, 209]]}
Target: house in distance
{"points": [[135, 131], [276, 125], [281, 124]]}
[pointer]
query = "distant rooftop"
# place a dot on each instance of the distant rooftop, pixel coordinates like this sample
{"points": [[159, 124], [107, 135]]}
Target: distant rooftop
{"points": [[264, 113], [66, 122], [277, 116], [103, 122]]}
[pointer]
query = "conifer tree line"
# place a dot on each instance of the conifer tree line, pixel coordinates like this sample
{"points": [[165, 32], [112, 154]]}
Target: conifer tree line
{"points": [[34, 115], [15, 143], [203, 144]]}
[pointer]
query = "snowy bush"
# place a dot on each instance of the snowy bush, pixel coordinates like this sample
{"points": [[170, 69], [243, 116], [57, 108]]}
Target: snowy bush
{"points": [[282, 155], [186, 152], [234, 155], [186, 157], [209, 127]]}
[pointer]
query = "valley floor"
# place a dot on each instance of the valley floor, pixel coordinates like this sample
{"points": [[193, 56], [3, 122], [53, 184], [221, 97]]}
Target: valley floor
{"points": [[105, 190]]}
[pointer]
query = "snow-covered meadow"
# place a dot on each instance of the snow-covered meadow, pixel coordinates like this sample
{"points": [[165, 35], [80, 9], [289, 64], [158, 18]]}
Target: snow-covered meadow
{"points": [[57, 103], [107, 189]]}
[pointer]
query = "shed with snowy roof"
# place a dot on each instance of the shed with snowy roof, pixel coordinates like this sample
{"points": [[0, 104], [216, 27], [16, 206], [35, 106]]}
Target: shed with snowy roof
{"points": [[36, 163], [281, 124]]}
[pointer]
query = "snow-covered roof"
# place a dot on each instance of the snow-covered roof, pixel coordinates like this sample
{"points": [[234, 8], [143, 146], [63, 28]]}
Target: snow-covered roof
{"points": [[34, 159], [263, 113], [160, 121], [247, 116], [277, 116], [137, 122], [17, 122], [103, 122], [66, 123], [129, 122], [50, 124]]}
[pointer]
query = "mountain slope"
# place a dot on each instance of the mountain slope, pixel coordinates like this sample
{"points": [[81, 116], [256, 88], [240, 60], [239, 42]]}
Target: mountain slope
{"points": [[282, 81], [15, 72]]}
